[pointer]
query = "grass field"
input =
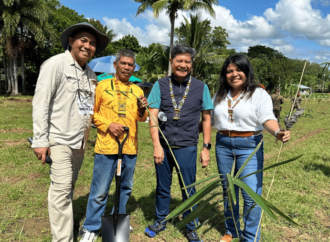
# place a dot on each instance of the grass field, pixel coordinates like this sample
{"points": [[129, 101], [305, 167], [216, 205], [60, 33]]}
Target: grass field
{"points": [[301, 188]]}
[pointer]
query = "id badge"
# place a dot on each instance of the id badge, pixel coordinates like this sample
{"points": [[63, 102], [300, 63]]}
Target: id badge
{"points": [[85, 105]]}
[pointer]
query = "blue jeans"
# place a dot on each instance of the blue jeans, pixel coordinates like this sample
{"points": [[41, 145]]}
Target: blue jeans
{"points": [[241, 147], [186, 158], [104, 170]]}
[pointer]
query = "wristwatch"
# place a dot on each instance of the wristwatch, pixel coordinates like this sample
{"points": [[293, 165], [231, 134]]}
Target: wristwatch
{"points": [[207, 146]]}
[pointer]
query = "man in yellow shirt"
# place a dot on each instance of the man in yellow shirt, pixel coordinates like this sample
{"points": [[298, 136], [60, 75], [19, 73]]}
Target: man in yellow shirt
{"points": [[112, 112]]}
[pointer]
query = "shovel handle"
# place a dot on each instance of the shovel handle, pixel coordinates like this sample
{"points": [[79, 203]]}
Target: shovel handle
{"points": [[120, 151], [121, 145]]}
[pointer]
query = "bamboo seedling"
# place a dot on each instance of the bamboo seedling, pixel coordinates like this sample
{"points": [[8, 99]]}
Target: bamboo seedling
{"points": [[279, 153]]}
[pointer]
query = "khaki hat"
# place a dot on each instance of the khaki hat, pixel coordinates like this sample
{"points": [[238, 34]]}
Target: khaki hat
{"points": [[102, 39]]}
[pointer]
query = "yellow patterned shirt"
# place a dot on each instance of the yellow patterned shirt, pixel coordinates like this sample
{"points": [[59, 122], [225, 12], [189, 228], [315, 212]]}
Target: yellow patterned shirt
{"points": [[106, 112]]}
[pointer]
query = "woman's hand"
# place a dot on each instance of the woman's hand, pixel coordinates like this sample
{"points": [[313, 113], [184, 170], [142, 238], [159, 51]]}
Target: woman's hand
{"points": [[283, 136]]}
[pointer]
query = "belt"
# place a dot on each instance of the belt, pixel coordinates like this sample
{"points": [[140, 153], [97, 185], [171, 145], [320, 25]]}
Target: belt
{"points": [[233, 133]]}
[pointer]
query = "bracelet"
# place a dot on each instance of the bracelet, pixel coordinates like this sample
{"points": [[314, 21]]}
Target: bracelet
{"points": [[277, 132]]}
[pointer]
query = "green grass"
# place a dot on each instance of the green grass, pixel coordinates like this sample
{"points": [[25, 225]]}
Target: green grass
{"points": [[301, 188]]}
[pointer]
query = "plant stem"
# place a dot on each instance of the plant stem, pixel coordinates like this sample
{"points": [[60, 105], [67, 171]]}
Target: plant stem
{"points": [[176, 163], [232, 212]]}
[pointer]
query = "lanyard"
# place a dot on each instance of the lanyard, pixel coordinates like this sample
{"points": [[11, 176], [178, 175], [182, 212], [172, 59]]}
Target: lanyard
{"points": [[177, 108]]}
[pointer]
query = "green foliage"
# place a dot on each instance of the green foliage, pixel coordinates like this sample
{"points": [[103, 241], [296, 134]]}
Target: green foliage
{"points": [[153, 62], [198, 34], [127, 42], [260, 51]]}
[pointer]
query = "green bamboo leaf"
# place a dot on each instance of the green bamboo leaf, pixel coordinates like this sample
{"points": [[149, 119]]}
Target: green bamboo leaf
{"points": [[280, 213], [194, 214], [203, 180], [231, 188], [193, 200], [258, 199], [252, 207], [272, 166], [215, 224], [206, 221], [235, 240], [233, 167], [248, 159]]}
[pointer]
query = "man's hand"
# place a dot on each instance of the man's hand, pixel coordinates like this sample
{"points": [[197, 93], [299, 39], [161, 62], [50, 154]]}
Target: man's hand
{"points": [[140, 105], [41, 153], [205, 157], [158, 154], [116, 129]]}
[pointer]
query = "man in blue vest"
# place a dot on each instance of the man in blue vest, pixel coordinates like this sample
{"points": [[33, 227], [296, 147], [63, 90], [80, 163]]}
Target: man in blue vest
{"points": [[182, 98]]}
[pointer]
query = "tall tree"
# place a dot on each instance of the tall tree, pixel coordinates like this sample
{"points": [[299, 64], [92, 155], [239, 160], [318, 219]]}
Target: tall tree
{"points": [[127, 42], [198, 34], [104, 29], [172, 8], [23, 19]]}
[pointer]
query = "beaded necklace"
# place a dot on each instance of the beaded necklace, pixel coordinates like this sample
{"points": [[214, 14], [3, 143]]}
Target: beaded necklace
{"points": [[122, 99], [231, 109], [177, 108]]}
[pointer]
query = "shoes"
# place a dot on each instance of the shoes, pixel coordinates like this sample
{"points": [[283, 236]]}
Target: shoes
{"points": [[88, 236], [227, 238], [154, 229], [193, 237], [130, 229]]}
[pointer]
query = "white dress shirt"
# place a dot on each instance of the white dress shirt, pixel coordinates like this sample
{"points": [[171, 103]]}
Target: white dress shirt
{"points": [[248, 115]]}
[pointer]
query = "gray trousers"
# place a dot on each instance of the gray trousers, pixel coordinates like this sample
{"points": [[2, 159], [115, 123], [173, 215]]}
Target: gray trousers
{"points": [[64, 170]]}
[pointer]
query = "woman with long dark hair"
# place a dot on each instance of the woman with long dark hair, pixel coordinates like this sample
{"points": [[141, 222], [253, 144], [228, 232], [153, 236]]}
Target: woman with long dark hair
{"points": [[242, 109]]}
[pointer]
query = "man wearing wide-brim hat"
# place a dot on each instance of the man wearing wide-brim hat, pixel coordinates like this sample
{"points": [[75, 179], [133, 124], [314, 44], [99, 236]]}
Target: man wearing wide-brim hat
{"points": [[62, 113]]}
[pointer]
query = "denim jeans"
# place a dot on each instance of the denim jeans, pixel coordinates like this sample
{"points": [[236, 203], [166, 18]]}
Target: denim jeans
{"points": [[104, 170], [186, 158], [241, 147]]}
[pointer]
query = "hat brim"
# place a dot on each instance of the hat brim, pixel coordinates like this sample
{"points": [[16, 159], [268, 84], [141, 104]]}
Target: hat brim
{"points": [[102, 39]]}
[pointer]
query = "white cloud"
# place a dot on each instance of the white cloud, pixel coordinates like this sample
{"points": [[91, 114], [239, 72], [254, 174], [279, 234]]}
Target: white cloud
{"points": [[300, 18], [249, 32], [317, 57], [278, 42], [285, 49]]}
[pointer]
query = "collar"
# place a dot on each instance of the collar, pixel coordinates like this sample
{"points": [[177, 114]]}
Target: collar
{"points": [[239, 96], [174, 80], [128, 83]]}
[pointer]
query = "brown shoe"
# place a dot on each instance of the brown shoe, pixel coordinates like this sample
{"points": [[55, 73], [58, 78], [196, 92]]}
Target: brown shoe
{"points": [[227, 238]]}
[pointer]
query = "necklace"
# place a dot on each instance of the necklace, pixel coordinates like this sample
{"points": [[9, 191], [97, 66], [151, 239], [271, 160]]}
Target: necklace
{"points": [[231, 109], [122, 99], [177, 108]]}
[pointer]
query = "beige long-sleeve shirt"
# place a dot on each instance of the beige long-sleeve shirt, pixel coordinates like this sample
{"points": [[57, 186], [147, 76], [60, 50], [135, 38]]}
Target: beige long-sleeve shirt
{"points": [[62, 83]]}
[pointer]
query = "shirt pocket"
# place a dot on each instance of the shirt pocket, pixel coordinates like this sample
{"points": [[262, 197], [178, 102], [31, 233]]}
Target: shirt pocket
{"points": [[71, 83]]}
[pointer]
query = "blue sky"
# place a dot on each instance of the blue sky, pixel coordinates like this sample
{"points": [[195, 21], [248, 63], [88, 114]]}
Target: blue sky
{"points": [[298, 28]]}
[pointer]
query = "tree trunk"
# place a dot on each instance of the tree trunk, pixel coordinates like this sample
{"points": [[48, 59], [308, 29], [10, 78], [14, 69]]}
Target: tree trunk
{"points": [[15, 89], [23, 72], [10, 74], [5, 69], [172, 19]]}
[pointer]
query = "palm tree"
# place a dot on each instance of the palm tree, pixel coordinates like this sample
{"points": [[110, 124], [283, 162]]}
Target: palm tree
{"points": [[23, 20], [153, 61], [172, 7], [198, 34]]}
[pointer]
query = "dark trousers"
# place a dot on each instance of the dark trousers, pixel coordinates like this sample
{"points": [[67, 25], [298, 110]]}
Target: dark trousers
{"points": [[186, 158], [277, 114]]}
